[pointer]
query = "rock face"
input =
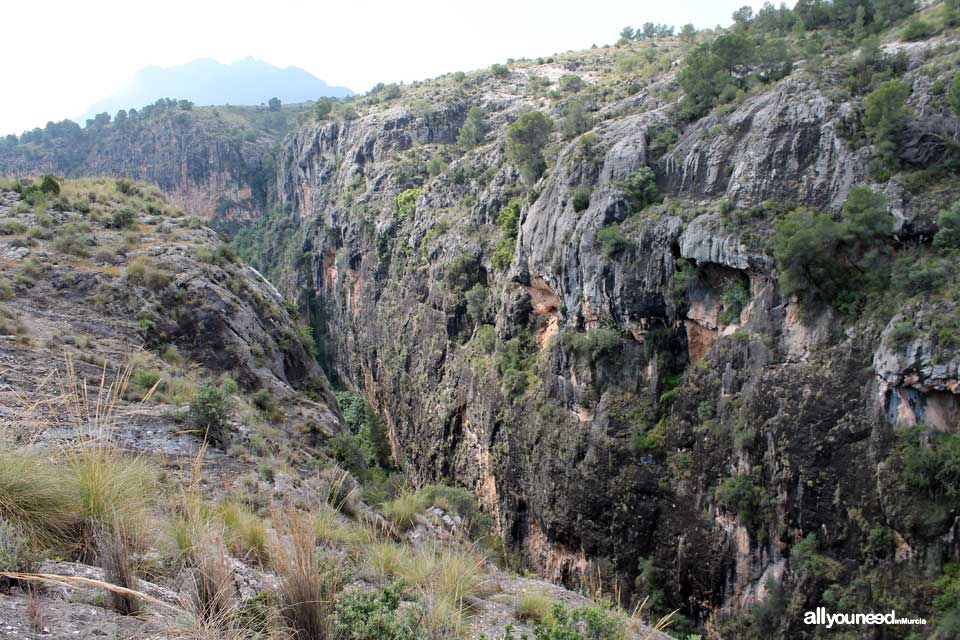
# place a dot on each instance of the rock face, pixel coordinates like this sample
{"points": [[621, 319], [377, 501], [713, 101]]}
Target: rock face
{"points": [[216, 162], [785, 144], [677, 445]]}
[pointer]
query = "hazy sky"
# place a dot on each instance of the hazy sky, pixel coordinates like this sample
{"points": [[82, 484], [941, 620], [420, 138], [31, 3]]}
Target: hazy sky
{"points": [[61, 56]]}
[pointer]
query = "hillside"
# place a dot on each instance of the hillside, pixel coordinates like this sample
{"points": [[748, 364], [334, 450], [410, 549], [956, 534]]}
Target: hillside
{"points": [[162, 418], [207, 82], [672, 325], [217, 162], [679, 311]]}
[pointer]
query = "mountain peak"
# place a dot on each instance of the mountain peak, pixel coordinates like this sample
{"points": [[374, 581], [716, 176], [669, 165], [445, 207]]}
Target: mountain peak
{"points": [[205, 81]]}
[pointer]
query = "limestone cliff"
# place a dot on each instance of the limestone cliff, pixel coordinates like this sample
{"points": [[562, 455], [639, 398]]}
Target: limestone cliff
{"points": [[627, 389]]}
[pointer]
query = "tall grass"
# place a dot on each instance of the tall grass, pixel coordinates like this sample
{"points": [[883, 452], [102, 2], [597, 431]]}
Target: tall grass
{"points": [[35, 498], [403, 510], [113, 551], [113, 487], [534, 606], [307, 591], [334, 529], [245, 532]]}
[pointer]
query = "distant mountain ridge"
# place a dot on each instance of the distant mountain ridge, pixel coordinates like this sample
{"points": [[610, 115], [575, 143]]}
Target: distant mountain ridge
{"points": [[207, 82]]}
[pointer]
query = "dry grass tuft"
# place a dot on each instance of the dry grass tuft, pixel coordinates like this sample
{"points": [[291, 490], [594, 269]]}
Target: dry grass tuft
{"points": [[533, 606], [211, 602], [307, 591], [244, 531], [35, 498], [113, 552]]}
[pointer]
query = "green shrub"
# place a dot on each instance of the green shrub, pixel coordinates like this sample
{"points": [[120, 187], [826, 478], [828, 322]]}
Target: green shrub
{"points": [[143, 380], [885, 115], [7, 292], [436, 165], [499, 70], [508, 220], [917, 29], [739, 495], [141, 271], [456, 500], [581, 198], [640, 188], [266, 404], [948, 236], [602, 345], [478, 303], [526, 139], [403, 510], [680, 281], [210, 412], [123, 218], [806, 558], [533, 606], [12, 228], [486, 338], [322, 108], [595, 621], [929, 465], [576, 117], [866, 214], [405, 204], [126, 186], [50, 185], [471, 133], [953, 97], [902, 334], [806, 246], [571, 83], [734, 298], [460, 274], [367, 616], [612, 241]]}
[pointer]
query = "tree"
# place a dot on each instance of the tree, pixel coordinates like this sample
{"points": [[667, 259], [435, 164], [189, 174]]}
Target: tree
{"points": [[571, 83], [50, 185], [322, 108], [743, 16], [886, 12], [948, 237], [576, 117], [805, 245], [885, 114], [471, 133], [773, 60], [185, 105], [627, 33], [866, 214], [688, 32], [953, 97], [274, 104], [526, 139], [952, 10], [210, 412], [649, 30], [917, 29], [640, 188], [478, 303]]}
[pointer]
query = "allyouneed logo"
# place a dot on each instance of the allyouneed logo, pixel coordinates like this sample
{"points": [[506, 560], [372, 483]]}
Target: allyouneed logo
{"points": [[821, 617]]}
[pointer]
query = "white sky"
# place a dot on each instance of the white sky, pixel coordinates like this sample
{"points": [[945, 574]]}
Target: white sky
{"points": [[61, 56]]}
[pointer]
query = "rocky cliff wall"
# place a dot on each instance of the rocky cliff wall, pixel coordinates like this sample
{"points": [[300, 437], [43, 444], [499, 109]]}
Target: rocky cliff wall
{"points": [[680, 441]]}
